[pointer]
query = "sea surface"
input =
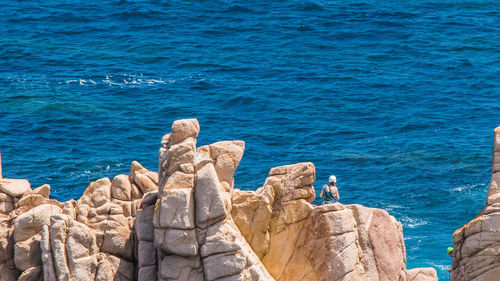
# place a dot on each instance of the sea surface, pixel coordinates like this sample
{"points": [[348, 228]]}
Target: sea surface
{"points": [[398, 99]]}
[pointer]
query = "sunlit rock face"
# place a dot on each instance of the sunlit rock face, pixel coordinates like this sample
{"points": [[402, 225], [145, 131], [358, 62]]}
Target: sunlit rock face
{"points": [[216, 232], [194, 233], [189, 222], [477, 244], [92, 238], [300, 241]]}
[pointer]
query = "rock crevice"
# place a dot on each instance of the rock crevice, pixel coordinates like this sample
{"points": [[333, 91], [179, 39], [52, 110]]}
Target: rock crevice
{"points": [[188, 222]]}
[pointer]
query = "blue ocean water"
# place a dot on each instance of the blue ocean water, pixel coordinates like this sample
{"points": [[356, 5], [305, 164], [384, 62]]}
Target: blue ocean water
{"points": [[396, 98]]}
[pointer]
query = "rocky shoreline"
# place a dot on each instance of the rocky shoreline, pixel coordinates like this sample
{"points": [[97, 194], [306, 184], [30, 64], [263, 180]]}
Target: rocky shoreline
{"points": [[188, 222]]}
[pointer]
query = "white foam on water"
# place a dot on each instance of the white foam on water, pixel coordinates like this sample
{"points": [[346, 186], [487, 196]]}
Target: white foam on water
{"points": [[159, 81], [86, 82], [133, 80], [122, 80], [130, 81], [412, 222], [85, 174], [467, 187], [109, 81], [441, 267], [391, 207]]}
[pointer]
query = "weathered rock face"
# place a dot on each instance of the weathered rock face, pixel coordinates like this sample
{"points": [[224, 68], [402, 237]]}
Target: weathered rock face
{"points": [[11, 192], [94, 238], [189, 223], [195, 236], [477, 244], [89, 239], [214, 232], [299, 241], [422, 274]]}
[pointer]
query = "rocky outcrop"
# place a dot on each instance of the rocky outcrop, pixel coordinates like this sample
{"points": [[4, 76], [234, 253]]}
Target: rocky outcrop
{"points": [[477, 244], [195, 236], [299, 241], [188, 222], [89, 239]]}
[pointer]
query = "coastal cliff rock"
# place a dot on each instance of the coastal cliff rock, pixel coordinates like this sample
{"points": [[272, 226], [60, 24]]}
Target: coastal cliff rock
{"points": [[188, 222], [89, 239], [477, 244], [195, 236], [300, 241]]}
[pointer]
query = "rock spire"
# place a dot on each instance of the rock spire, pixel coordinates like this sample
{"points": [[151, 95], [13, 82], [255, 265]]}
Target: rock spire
{"points": [[477, 243]]}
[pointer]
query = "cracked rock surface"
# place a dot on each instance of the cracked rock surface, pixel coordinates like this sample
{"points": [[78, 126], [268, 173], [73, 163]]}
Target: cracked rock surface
{"points": [[299, 241], [189, 222]]}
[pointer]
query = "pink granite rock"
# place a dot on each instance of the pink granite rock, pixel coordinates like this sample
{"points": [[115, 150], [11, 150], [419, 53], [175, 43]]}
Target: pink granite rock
{"points": [[188, 223]]}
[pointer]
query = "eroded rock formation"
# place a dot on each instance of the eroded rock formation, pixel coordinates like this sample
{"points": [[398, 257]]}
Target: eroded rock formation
{"points": [[89, 239], [188, 222], [299, 241], [477, 244]]}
